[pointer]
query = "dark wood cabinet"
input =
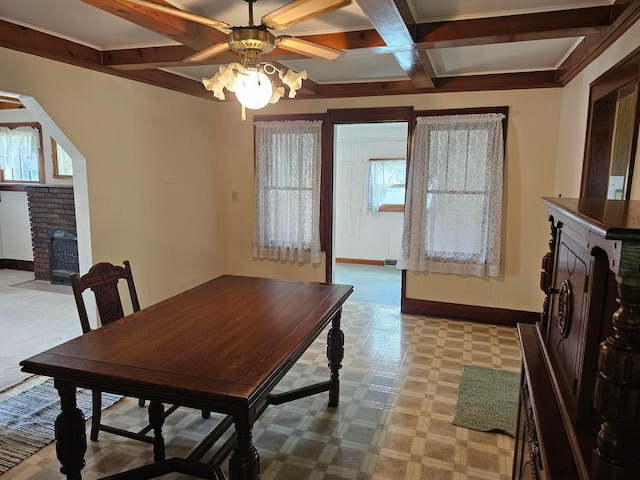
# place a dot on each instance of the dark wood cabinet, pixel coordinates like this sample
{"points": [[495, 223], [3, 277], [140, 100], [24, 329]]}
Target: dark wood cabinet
{"points": [[580, 390]]}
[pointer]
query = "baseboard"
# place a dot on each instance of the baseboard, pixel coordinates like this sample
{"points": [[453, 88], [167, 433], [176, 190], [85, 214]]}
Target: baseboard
{"points": [[472, 313], [360, 261], [26, 265]]}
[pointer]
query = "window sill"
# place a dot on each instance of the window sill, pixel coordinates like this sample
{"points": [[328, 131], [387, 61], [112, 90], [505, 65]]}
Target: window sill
{"points": [[391, 208]]}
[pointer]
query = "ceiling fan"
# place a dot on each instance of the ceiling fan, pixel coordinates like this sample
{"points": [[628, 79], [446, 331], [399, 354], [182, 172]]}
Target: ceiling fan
{"points": [[254, 39], [248, 78]]}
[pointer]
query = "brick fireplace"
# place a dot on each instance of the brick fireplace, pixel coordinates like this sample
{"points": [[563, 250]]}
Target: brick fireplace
{"points": [[51, 209]]}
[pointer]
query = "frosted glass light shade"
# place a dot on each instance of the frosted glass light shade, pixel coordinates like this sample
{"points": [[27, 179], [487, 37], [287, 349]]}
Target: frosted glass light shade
{"points": [[253, 89]]}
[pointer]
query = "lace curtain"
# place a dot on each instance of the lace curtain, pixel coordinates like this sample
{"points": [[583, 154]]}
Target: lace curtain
{"points": [[383, 174], [287, 191], [453, 215], [20, 153]]}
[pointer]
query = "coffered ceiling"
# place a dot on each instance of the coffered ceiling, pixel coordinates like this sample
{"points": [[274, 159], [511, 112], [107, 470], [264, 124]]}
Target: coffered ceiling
{"points": [[390, 46]]}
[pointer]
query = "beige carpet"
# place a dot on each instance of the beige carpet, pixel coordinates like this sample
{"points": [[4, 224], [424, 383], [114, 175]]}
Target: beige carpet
{"points": [[34, 316]]}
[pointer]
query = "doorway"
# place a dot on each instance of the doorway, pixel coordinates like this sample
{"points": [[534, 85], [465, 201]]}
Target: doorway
{"points": [[369, 166]]}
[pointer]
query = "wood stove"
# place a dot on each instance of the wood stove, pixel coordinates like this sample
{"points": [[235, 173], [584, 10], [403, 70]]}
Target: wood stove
{"points": [[63, 254]]}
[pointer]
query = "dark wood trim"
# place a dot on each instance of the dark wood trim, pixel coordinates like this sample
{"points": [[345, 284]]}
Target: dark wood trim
{"points": [[359, 261], [17, 187], [462, 111], [23, 187], [598, 149], [624, 14], [289, 117], [326, 200], [11, 264], [472, 313]]}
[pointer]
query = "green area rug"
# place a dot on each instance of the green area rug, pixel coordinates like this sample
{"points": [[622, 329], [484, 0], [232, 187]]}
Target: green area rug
{"points": [[488, 400], [26, 420]]}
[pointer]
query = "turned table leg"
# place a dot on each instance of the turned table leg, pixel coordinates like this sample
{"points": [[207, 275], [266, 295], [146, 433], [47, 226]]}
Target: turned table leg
{"points": [[616, 395], [71, 440], [156, 420], [244, 463], [335, 354]]}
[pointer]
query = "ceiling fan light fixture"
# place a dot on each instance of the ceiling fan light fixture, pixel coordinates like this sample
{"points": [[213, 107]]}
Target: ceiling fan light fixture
{"points": [[253, 89], [249, 78], [242, 39]]}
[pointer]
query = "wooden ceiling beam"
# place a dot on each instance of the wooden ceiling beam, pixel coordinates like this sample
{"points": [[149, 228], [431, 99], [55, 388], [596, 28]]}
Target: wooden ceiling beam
{"points": [[457, 33], [624, 15], [186, 32], [506, 81], [394, 23], [513, 28], [28, 40]]}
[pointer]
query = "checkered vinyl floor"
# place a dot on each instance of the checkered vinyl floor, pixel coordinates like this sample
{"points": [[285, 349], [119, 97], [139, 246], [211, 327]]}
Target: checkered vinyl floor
{"points": [[399, 385]]}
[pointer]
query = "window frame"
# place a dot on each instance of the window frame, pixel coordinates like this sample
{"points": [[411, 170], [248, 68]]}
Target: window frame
{"points": [[324, 233], [55, 163], [41, 172], [472, 111]]}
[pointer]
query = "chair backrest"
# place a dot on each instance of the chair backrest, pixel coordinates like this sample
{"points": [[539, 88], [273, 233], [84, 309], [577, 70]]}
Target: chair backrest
{"points": [[103, 279]]}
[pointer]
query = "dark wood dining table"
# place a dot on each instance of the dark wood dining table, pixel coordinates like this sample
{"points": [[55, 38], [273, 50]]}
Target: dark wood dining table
{"points": [[221, 346]]}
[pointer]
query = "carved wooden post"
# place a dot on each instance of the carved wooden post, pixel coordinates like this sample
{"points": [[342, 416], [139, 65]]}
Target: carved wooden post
{"points": [[546, 276], [71, 440], [617, 384], [156, 420], [335, 354]]}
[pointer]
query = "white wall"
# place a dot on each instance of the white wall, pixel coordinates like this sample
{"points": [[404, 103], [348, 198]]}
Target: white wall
{"points": [[532, 136], [362, 235], [15, 230], [148, 187]]}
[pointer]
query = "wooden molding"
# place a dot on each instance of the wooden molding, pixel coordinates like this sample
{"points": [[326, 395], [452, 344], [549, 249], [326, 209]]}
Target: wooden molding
{"points": [[26, 265], [360, 261], [471, 313]]}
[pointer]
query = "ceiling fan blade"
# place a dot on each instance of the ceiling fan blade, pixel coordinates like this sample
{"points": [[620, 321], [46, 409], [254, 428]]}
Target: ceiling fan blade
{"points": [[208, 52], [310, 49], [194, 17], [300, 10]]}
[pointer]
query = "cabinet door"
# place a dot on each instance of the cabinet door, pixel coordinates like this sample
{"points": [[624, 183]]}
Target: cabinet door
{"points": [[567, 324]]}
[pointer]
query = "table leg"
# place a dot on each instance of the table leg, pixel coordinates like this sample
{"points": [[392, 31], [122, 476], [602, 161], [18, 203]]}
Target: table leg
{"points": [[335, 354], [71, 440], [156, 420], [244, 463]]}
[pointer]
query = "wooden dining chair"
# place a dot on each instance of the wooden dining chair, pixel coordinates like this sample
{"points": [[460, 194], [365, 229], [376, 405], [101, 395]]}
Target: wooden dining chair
{"points": [[102, 279]]}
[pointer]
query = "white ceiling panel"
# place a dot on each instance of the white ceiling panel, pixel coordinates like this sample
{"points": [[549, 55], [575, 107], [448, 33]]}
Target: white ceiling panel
{"points": [[501, 57], [351, 69], [79, 22], [432, 11]]}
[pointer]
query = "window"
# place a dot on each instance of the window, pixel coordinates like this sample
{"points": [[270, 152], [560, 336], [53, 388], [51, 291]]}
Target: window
{"points": [[287, 191], [21, 153], [62, 163], [453, 214], [386, 184]]}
